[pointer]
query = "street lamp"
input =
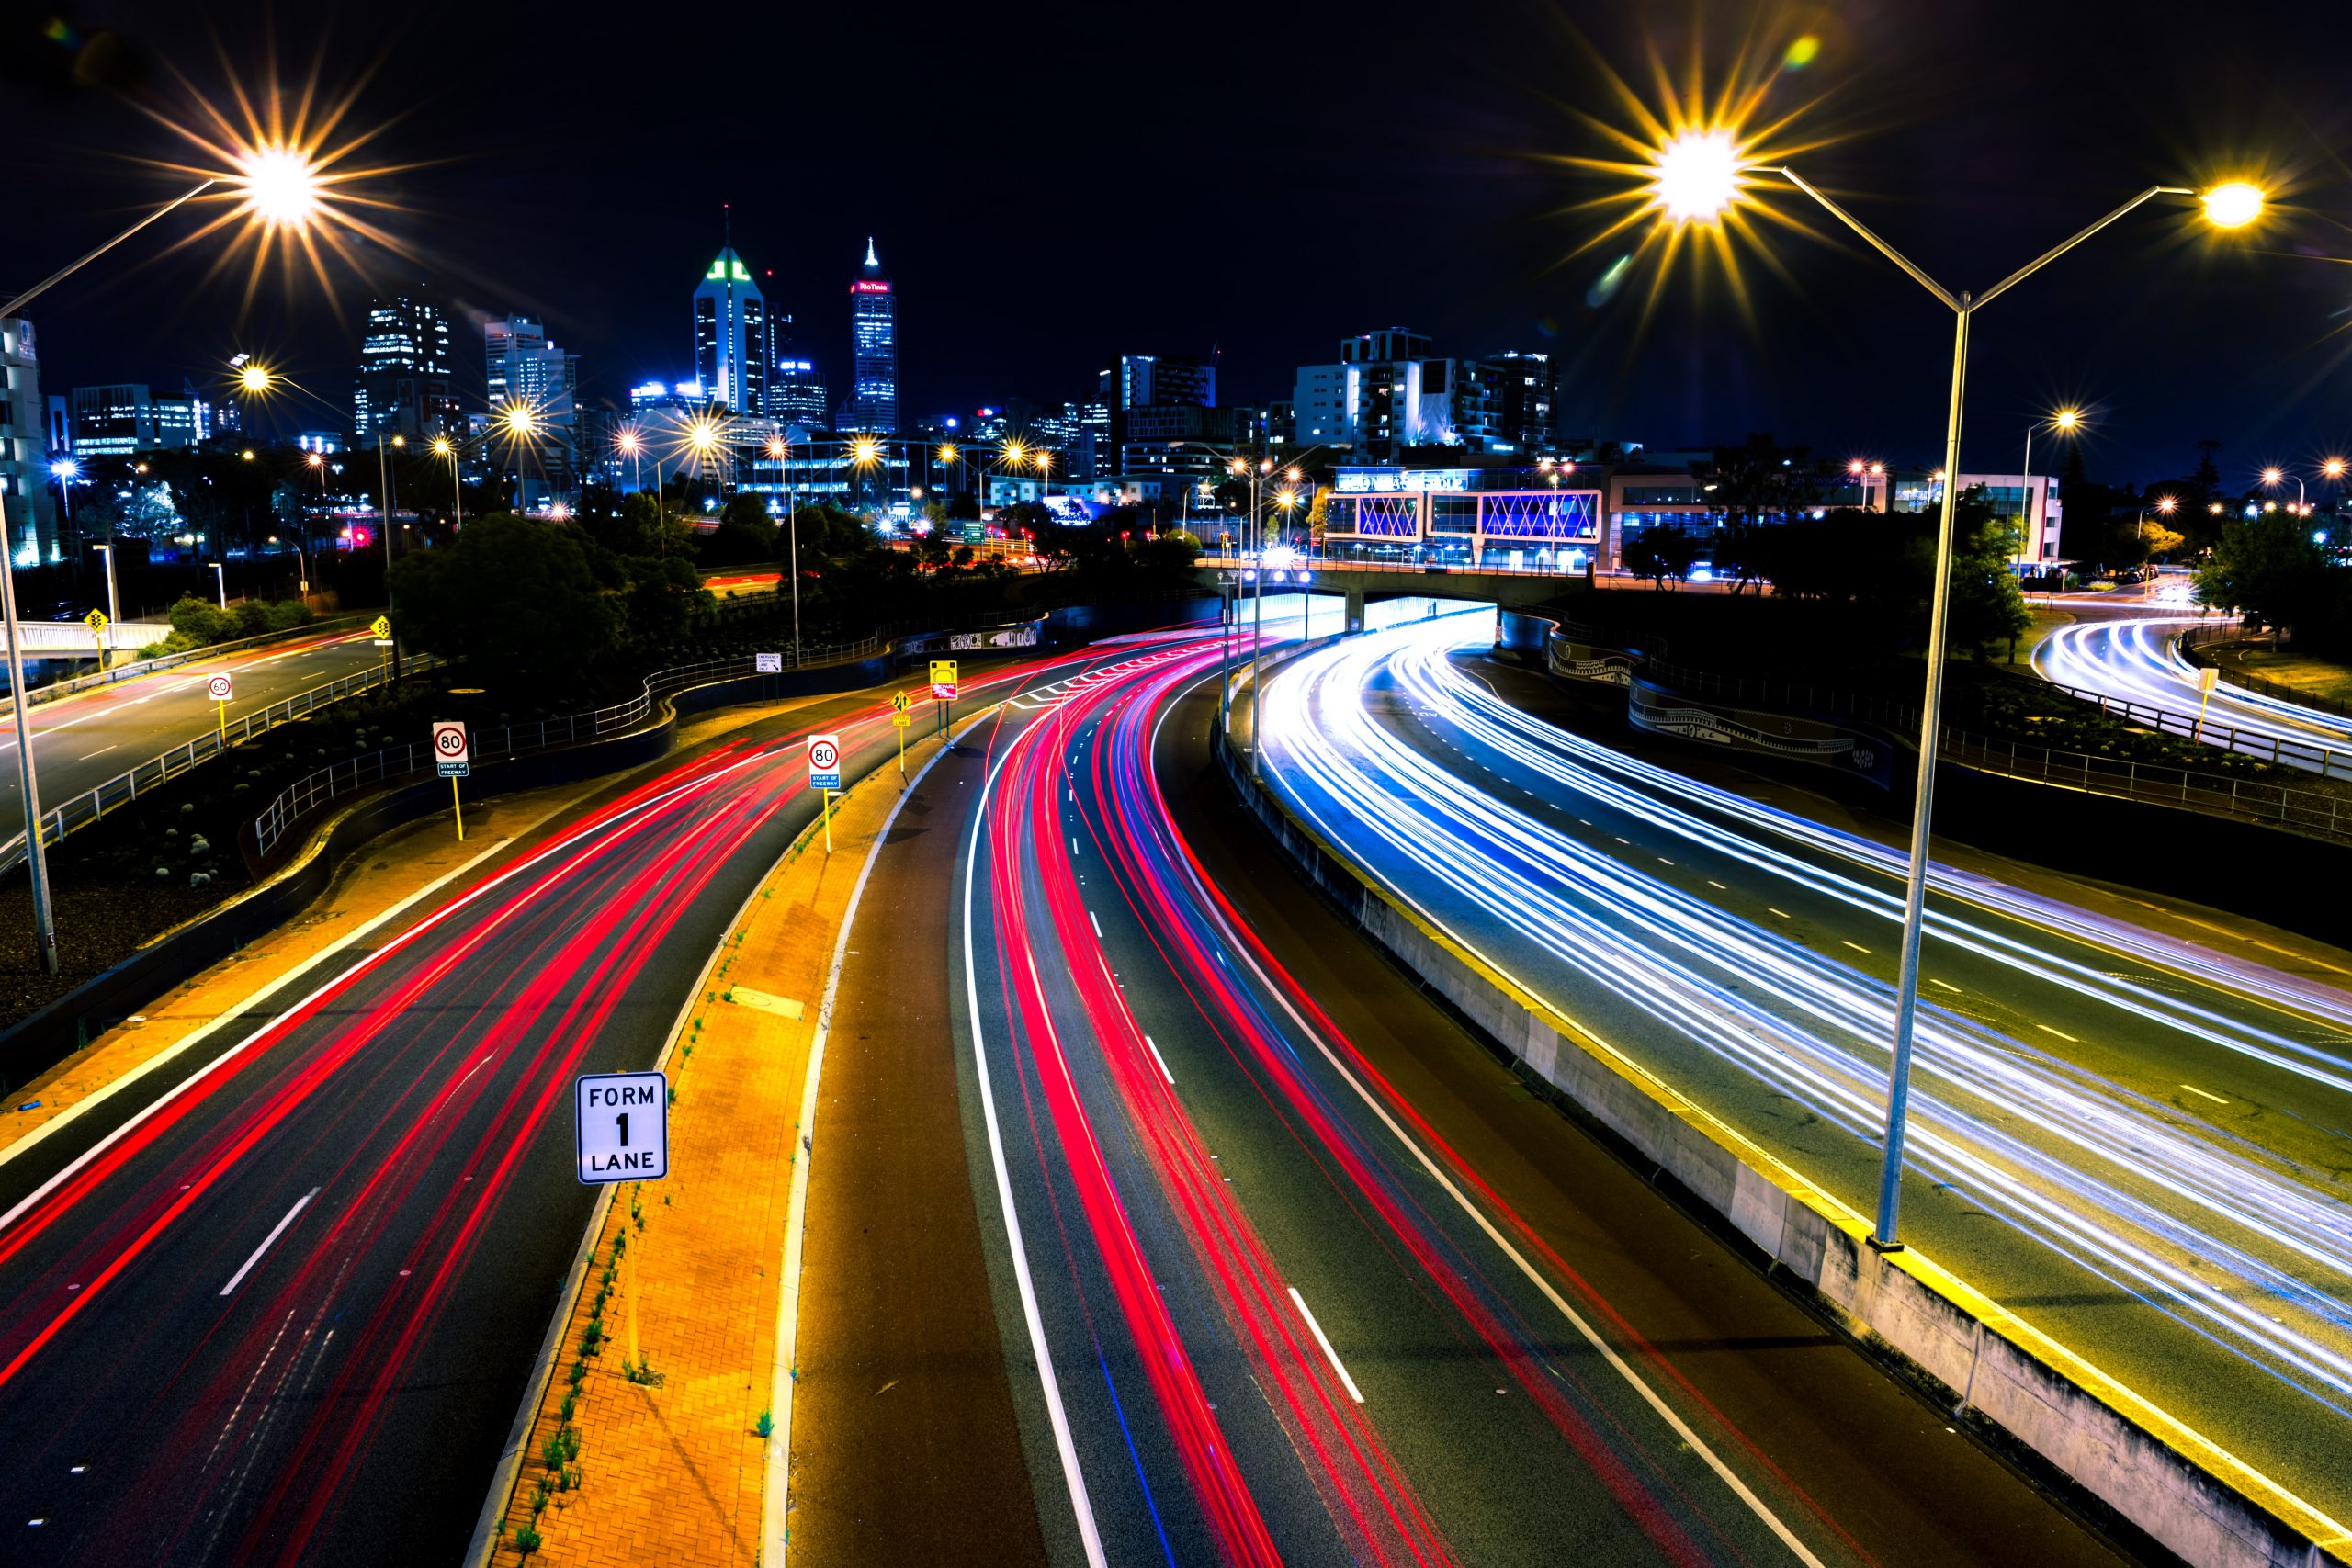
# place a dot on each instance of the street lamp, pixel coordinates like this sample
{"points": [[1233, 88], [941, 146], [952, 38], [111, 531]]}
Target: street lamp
{"points": [[280, 191], [2065, 422], [780, 449], [445, 447], [1697, 178]]}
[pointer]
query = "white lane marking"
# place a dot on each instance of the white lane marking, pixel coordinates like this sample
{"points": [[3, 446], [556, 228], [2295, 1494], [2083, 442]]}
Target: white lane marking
{"points": [[1782, 913], [1946, 985], [1717, 886], [2058, 1033], [1072, 1477], [1160, 1059], [1073, 844], [1333, 1356], [275, 1230], [2214, 1098], [1857, 946], [100, 752], [1095, 923], [446, 912], [1650, 1396]]}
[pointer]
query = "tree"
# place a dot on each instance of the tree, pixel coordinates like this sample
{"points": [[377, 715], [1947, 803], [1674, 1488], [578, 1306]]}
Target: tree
{"points": [[2267, 566], [514, 596], [745, 534], [1986, 607], [1661, 552]]}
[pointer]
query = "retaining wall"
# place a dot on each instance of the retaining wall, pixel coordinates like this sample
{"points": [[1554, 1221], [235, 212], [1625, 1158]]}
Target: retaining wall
{"points": [[2187, 1494]]}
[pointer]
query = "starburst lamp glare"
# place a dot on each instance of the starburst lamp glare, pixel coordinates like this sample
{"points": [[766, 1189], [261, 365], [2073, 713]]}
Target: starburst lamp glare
{"points": [[1697, 175], [281, 184], [254, 378], [2233, 206]]}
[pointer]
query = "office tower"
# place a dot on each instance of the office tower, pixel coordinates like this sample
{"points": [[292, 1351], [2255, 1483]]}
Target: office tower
{"points": [[113, 421], [796, 391], [873, 352], [526, 369], [731, 336], [406, 366]]}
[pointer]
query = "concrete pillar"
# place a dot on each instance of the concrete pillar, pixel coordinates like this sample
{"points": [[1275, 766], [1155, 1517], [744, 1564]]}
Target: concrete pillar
{"points": [[1355, 610]]}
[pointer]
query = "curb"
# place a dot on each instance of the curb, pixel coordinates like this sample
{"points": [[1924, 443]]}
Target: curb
{"points": [[2183, 1490]]}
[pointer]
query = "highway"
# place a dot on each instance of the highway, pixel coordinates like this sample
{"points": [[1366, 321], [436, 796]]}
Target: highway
{"points": [[275, 1301], [2134, 660], [1280, 1297], [2134, 1143], [81, 741]]}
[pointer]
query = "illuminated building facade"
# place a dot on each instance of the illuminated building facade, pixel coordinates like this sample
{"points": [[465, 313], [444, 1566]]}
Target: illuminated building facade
{"points": [[405, 367], [24, 447], [872, 403], [731, 336]]}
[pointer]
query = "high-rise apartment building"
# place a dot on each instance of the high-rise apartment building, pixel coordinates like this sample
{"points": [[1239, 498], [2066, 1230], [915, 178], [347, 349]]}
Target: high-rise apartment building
{"points": [[731, 336], [405, 367], [1387, 392], [24, 448], [873, 402]]}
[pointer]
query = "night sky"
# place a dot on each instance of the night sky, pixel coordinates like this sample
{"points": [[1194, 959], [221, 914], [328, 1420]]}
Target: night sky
{"points": [[1050, 186]]}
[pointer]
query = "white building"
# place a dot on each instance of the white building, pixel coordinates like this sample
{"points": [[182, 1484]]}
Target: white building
{"points": [[24, 448]]}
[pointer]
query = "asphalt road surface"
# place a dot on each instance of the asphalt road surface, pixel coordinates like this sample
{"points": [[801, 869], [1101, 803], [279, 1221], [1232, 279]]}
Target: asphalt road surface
{"points": [[276, 1303], [1302, 1274], [81, 741], [2136, 1143]]}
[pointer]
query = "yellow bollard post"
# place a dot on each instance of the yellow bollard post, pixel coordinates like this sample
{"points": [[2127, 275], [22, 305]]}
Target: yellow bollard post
{"points": [[829, 822], [458, 806]]}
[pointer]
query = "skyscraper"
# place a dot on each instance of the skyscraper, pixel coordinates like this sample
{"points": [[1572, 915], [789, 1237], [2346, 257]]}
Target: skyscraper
{"points": [[873, 352], [405, 367], [731, 336], [526, 368], [796, 391], [24, 450]]}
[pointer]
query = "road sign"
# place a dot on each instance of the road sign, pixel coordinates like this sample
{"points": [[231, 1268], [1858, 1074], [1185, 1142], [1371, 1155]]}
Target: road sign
{"points": [[824, 761], [903, 701], [381, 625], [623, 1126], [2206, 677], [217, 687], [902, 718], [942, 680], [95, 620], [767, 663], [451, 752]]}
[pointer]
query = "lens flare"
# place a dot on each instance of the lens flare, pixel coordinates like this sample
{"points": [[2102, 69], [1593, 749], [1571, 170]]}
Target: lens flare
{"points": [[2233, 206]]}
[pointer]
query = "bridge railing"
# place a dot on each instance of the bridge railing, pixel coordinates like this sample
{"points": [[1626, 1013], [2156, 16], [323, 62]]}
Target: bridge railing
{"points": [[54, 690], [83, 810]]}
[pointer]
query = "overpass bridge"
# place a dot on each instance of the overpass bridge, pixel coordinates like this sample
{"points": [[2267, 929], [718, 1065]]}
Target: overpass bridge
{"points": [[1512, 588], [72, 639]]}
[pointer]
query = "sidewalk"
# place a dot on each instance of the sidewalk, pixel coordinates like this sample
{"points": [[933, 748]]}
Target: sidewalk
{"points": [[672, 1470]]}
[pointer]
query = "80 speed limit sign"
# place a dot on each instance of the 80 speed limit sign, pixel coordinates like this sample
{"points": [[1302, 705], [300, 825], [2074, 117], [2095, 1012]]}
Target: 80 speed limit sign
{"points": [[451, 754], [824, 761]]}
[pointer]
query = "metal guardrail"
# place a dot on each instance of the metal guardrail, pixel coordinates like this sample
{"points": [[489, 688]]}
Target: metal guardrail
{"points": [[2200, 636], [123, 788], [56, 689], [2273, 804], [2259, 800], [397, 763]]}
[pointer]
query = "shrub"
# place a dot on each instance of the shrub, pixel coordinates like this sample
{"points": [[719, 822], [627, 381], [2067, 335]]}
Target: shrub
{"points": [[251, 617], [526, 1539], [766, 1428]]}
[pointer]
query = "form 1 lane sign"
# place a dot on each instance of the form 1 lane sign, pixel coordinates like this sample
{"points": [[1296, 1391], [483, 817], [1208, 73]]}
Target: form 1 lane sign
{"points": [[623, 1126]]}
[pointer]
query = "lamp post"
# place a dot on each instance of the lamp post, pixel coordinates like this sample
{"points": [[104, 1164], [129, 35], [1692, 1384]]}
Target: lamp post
{"points": [[781, 450], [2229, 206], [2065, 422], [445, 447], [279, 192], [384, 507], [1697, 178]]}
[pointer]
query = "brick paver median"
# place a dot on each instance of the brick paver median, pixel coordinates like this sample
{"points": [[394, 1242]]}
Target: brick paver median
{"points": [[670, 1471]]}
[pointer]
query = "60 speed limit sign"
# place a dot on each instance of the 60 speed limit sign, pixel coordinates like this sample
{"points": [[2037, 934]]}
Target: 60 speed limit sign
{"points": [[217, 687], [451, 754]]}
